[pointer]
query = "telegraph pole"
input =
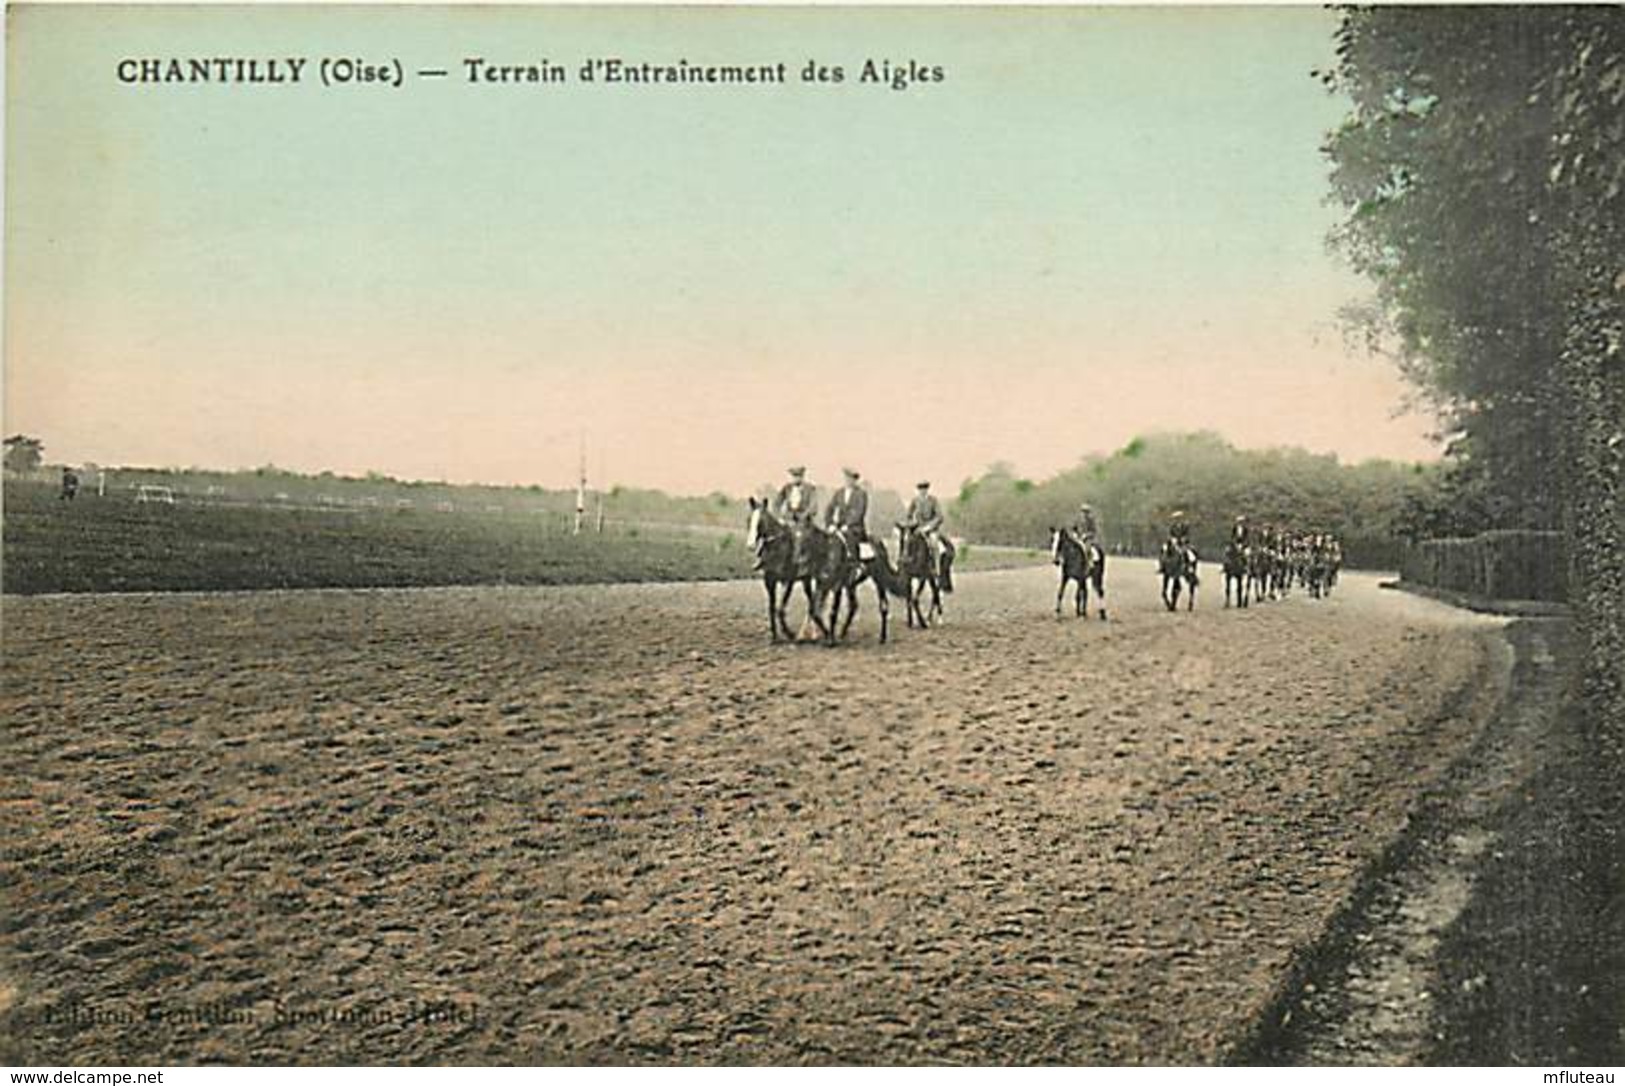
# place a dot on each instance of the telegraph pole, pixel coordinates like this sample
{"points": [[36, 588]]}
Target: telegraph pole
{"points": [[603, 476], [581, 486]]}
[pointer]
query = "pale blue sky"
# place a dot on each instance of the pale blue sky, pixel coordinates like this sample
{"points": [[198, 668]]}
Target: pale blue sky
{"points": [[1104, 221]]}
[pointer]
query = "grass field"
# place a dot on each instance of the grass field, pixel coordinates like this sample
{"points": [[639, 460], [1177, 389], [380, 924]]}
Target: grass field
{"points": [[114, 544]]}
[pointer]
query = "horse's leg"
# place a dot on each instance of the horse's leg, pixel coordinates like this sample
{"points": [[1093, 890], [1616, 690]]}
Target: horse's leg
{"points": [[815, 608], [812, 608], [784, 610], [832, 631], [1081, 598], [851, 608], [772, 611], [1060, 593], [885, 609]]}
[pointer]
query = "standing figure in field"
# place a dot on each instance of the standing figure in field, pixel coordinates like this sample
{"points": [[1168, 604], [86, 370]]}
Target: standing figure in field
{"points": [[1177, 563], [1237, 560], [1077, 550], [70, 484], [923, 556]]}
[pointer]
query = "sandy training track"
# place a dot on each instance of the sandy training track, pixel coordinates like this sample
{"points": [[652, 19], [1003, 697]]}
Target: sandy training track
{"points": [[615, 824]]}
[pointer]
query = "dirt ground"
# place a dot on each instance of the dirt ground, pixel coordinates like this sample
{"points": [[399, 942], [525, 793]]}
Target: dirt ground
{"points": [[1491, 931], [615, 824]]}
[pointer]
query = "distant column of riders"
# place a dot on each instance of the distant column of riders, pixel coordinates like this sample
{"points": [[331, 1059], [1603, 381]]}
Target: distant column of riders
{"points": [[1278, 558]]}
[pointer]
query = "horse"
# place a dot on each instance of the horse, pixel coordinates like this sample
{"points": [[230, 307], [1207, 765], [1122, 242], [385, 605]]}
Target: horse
{"points": [[916, 565], [1080, 564], [774, 542], [1318, 572], [1177, 563], [873, 564], [1285, 563], [1260, 571], [1237, 568]]}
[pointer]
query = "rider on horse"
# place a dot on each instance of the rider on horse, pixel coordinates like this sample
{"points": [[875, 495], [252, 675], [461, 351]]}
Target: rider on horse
{"points": [[924, 515], [1240, 531], [1179, 529], [1086, 529], [848, 513], [797, 506]]}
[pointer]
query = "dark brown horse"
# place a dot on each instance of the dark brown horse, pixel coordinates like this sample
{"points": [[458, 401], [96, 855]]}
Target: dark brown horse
{"points": [[1082, 565], [916, 564], [774, 543], [872, 564], [1237, 569], [1177, 564]]}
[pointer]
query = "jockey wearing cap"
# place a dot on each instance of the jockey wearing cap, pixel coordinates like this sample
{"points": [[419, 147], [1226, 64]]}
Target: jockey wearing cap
{"points": [[1179, 536], [798, 507], [925, 516], [798, 499], [1240, 531], [1085, 530], [848, 512], [1179, 529]]}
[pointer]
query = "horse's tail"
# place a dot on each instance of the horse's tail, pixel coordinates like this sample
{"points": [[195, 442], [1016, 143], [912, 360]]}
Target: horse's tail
{"points": [[890, 580], [946, 581]]}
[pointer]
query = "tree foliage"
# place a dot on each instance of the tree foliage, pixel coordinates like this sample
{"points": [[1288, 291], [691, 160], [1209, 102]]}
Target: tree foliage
{"points": [[24, 453], [1481, 173], [1136, 488]]}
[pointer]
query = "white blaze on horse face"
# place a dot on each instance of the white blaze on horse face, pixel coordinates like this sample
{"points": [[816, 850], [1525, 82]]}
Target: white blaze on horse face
{"points": [[754, 532], [1054, 543]]}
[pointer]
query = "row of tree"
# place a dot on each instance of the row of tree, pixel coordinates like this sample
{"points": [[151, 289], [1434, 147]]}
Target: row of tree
{"points": [[1136, 489], [1484, 184]]}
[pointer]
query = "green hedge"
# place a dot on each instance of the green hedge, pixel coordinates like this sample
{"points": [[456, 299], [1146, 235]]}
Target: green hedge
{"points": [[1510, 565]]}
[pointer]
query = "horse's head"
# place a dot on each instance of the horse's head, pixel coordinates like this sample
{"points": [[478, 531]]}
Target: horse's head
{"points": [[1055, 536], [759, 523]]}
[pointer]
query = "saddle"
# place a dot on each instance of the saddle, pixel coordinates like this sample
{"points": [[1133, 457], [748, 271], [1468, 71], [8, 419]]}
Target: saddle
{"points": [[864, 551]]}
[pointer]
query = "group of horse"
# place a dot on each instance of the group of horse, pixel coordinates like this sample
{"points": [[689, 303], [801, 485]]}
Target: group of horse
{"points": [[1263, 568], [830, 567], [1271, 565]]}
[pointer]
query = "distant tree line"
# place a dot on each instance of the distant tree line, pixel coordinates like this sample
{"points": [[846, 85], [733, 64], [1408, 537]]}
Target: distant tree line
{"points": [[1134, 490]]}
